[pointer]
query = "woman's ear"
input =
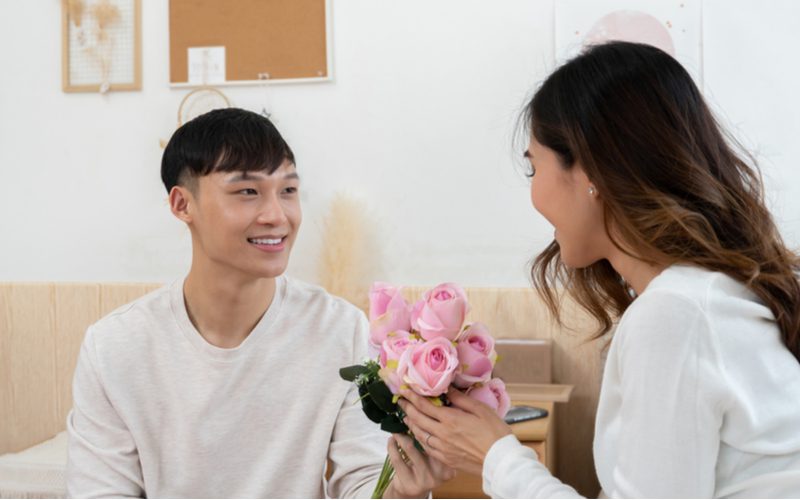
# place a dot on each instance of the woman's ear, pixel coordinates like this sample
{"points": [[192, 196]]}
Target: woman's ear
{"points": [[179, 201], [582, 182]]}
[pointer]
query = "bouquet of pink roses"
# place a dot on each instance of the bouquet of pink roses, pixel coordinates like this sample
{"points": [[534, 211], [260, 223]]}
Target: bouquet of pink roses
{"points": [[425, 348]]}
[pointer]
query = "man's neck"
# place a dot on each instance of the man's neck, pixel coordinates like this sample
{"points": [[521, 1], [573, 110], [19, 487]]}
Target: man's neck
{"points": [[224, 308]]}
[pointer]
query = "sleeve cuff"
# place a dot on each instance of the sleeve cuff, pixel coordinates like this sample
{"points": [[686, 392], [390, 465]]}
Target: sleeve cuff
{"points": [[501, 449]]}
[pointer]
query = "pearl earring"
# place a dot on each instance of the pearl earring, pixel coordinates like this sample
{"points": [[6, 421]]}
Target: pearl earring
{"points": [[592, 190]]}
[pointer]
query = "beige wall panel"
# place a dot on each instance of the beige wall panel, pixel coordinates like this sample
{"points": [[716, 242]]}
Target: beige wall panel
{"points": [[27, 354], [76, 307], [115, 295]]}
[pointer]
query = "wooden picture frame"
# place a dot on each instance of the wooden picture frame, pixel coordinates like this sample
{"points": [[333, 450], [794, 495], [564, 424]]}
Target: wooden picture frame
{"points": [[101, 45]]}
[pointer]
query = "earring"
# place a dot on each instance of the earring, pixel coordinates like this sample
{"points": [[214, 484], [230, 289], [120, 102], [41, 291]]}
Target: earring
{"points": [[592, 190]]}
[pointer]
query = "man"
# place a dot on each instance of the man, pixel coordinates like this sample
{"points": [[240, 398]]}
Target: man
{"points": [[225, 384]]}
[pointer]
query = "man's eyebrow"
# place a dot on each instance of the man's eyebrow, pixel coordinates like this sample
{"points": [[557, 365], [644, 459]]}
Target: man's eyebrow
{"points": [[246, 176], [241, 176]]}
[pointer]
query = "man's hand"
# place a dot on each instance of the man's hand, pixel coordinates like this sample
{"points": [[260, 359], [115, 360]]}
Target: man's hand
{"points": [[416, 474]]}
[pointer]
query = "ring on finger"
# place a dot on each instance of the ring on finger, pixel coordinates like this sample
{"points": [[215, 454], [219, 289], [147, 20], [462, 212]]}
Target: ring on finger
{"points": [[403, 455], [428, 439]]}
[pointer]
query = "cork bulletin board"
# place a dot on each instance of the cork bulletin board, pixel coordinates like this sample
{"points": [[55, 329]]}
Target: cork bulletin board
{"points": [[263, 40]]}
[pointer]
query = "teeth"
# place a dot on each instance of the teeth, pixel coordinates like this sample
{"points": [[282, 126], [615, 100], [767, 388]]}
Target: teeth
{"points": [[265, 241]]}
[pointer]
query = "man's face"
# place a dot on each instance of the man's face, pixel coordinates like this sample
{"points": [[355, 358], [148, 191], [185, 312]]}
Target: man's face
{"points": [[245, 222]]}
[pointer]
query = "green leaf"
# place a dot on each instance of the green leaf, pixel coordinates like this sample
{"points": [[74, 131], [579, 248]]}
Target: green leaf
{"points": [[382, 396], [350, 373], [371, 410], [393, 424]]}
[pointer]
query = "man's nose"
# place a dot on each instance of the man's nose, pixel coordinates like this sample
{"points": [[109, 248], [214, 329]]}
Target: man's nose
{"points": [[271, 212]]}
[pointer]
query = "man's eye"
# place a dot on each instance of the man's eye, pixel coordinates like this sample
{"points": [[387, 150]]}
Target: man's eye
{"points": [[290, 190], [248, 191]]}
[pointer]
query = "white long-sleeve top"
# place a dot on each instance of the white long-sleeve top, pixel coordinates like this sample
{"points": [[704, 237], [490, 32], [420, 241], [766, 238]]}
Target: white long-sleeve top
{"points": [[700, 398], [158, 411]]}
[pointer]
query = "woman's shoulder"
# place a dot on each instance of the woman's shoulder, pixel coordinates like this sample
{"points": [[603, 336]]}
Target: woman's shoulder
{"points": [[708, 292], [690, 305]]}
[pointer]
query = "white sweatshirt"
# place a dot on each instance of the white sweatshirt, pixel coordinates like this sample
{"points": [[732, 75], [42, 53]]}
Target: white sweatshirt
{"points": [[160, 412], [700, 398]]}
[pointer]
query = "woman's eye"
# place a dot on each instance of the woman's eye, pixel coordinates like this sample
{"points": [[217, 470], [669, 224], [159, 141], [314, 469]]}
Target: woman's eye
{"points": [[248, 191], [290, 190]]}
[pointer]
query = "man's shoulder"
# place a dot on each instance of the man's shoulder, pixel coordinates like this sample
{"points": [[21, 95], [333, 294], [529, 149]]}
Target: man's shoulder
{"points": [[134, 319], [306, 294], [329, 325]]}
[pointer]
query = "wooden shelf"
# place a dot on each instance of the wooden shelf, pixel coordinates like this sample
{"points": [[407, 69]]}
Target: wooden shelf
{"points": [[526, 393]]}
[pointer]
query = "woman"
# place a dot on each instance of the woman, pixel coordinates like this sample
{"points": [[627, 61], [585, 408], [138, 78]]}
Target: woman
{"points": [[657, 219]]}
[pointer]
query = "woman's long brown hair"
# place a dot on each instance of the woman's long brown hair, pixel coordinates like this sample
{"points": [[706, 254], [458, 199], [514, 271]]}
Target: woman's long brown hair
{"points": [[674, 186]]}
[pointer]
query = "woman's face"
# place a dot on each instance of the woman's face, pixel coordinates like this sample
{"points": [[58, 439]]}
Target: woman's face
{"points": [[571, 203]]}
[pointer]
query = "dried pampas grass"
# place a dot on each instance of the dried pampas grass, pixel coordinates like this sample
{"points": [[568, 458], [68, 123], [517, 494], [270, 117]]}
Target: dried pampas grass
{"points": [[75, 9], [105, 14], [350, 257]]}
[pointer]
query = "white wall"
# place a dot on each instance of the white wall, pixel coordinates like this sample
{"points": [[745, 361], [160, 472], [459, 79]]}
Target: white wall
{"points": [[417, 123]]}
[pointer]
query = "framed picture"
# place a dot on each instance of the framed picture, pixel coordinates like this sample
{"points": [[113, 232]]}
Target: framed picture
{"points": [[101, 45]]}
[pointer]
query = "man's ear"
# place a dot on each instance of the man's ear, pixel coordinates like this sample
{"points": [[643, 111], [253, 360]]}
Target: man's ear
{"points": [[179, 200]]}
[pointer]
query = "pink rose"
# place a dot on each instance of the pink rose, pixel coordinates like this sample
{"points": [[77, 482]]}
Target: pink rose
{"points": [[493, 394], [388, 312], [392, 349], [395, 344], [476, 356], [441, 312], [428, 368]]}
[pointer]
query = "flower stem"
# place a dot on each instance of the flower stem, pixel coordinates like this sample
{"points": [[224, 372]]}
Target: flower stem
{"points": [[387, 473]]}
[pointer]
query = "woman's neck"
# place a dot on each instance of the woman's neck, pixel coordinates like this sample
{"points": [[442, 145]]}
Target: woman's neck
{"points": [[636, 272]]}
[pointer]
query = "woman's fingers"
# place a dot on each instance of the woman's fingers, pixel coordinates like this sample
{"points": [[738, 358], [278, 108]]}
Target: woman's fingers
{"points": [[422, 436], [440, 456], [463, 402], [459, 436], [422, 404], [422, 425]]}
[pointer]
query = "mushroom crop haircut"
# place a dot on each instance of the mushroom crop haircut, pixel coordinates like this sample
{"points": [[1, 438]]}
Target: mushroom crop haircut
{"points": [[223, 140]]}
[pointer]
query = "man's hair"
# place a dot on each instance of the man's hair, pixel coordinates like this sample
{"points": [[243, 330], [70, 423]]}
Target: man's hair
{"points": [[223, 140]]}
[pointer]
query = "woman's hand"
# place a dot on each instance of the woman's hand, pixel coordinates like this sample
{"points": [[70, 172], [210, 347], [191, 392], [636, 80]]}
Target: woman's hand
{"points": [[416, 474], [458, 436]]}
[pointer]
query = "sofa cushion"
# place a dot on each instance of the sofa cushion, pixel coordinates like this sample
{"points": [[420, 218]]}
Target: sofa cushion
{"points": [[38, 472]]}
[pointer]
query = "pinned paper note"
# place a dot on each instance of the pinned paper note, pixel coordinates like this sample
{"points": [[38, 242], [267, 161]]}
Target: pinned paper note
{"points": [[206, 65]]}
